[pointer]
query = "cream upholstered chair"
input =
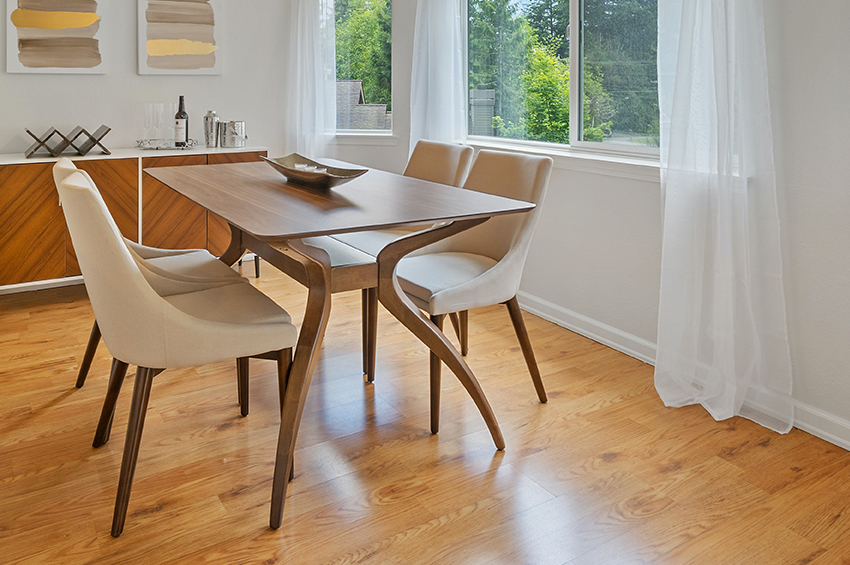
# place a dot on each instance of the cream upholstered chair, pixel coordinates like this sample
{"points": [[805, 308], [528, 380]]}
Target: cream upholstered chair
{"points": [[155, 332], [481, 266], [195, 267], [434, 161]]}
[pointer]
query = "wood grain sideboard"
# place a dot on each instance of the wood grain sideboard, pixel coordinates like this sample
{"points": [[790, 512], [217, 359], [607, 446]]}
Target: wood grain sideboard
{"points": [[35, 248]]}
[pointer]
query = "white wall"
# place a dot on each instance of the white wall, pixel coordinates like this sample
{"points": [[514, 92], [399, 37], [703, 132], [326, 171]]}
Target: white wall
{"points": [[595, 262], [249, 89], [808, 45]]}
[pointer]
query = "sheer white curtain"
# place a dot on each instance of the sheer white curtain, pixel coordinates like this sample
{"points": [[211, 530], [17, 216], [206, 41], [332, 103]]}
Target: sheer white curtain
{"points": [[311, 82], [722, 334], [438, 83]]}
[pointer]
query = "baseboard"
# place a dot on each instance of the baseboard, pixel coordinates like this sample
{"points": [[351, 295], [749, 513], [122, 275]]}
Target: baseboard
{"points": [[40, 285], [821, 424], [631, 345], [827, 427]]}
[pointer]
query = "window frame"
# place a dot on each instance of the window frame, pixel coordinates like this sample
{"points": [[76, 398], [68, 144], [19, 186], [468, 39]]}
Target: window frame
{"points": [[342, 136], [576, 146]]}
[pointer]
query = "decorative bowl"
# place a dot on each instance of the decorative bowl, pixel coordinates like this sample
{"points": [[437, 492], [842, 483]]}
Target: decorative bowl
{"points": [[305, 172]]}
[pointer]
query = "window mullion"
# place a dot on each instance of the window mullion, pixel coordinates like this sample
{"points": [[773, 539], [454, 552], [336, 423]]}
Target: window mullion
{"points": [[575, 70]]}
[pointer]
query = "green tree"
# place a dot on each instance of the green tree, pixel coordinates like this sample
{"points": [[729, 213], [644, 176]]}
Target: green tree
{"points": [[500, 40], [620, 45], [364, 46], [546, 83], [550, 21]]}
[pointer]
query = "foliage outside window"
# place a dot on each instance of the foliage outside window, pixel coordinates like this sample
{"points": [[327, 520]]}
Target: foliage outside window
{"points": [[519, 70], [364, 64]]}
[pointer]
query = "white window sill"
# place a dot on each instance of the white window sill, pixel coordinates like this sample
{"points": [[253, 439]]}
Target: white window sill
{"points": [[601, 162], [367, 137]]}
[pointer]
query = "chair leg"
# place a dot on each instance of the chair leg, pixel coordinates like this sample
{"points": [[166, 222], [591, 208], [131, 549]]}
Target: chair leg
{"points": [[460, 322], [284, 364], [369, 303], [525, 344], [104, 425], [256, 265], [138, 409], [436, 367], [464, 332], [91, 349], [242, 375]]}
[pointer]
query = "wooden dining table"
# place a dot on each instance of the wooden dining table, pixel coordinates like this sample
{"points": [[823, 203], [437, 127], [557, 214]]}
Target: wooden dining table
{"points": [[271, 217]]}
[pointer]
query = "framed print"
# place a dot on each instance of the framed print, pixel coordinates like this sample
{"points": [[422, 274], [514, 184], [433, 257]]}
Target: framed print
{"points": [[180, 37], [54, 36]]}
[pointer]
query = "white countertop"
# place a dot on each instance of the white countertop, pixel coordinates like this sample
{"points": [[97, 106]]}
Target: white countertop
{"points": [[133, 153]]}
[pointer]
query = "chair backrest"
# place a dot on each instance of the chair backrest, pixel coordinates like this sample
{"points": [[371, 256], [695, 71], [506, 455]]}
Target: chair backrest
{"points": [[128, 311], [435, 161], [513, 175]]}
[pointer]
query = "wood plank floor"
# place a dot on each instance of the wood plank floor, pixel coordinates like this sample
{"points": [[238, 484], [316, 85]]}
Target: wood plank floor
{"points": [[603, 473]]}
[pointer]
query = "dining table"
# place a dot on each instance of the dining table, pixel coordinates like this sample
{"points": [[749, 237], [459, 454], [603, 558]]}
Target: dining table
{"points": [[271, 217]]}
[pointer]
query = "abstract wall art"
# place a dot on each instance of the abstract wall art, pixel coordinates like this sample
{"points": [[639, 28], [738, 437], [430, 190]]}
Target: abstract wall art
{"points": [[53, 36], [180, 37]]}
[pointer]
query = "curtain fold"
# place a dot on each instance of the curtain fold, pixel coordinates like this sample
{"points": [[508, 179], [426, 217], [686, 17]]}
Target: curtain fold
{"points": [[311, 86], [438, 89], [722, 332]]}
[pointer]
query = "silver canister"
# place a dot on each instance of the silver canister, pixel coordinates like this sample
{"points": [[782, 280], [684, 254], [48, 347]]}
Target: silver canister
{"points": [[211, 129], [232, 134]]}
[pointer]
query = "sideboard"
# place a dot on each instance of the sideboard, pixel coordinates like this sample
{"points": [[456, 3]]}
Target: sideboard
{"points": [[35, 248]]}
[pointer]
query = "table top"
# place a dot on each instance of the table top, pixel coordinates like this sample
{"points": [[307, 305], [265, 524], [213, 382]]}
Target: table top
{"points": [[258, 200]]}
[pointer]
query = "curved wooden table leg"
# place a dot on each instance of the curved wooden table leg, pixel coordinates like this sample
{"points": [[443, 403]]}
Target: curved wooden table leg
{"points": [[236, 249], [318, 266], [399, 305]]}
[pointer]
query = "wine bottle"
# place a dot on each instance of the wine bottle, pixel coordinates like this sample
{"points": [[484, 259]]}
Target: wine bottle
{"points": [[181, 126]]}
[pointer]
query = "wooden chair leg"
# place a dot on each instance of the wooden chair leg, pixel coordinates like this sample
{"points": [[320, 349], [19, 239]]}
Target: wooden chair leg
{"points": [[460, 322], [364, 321], [138, 409], [436, 367], [256, 265], [91, 349], [372, 336], [107, 413], [369, 303], [464, 332], [242, 372], [525, 344], [284, 364]]}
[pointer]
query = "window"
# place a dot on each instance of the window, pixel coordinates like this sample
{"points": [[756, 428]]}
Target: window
{"points": [[522, 68], [363, 64]]}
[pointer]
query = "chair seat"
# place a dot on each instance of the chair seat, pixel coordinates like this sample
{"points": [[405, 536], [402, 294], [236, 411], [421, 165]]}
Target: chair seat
{"points": [[231, 304], [423, 276], [340, 254], [195, 263], [371, 242]]}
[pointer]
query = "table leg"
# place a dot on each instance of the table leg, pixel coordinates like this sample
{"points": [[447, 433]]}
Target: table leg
{"points": [[236, 248], [318, 267], [399, 305]]}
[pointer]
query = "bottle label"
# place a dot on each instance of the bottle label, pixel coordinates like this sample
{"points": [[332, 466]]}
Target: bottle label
{"points": [[180, 130]]}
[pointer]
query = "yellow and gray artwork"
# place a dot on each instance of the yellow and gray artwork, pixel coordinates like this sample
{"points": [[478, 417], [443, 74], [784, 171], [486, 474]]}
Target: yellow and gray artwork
{"points": [[58, 36], [178, 37]]}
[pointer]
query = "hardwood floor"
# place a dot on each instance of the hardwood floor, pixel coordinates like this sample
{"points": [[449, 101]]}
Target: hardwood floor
{"points": [[602, 473]]}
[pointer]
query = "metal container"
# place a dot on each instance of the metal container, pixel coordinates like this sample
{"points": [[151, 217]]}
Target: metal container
{"points": [[231, 134], [211, 129]]}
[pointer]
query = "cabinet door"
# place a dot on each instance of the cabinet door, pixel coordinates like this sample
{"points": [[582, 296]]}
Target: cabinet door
{"points": [[32, 226], [118, 183], [218, 231], [169, 219]]}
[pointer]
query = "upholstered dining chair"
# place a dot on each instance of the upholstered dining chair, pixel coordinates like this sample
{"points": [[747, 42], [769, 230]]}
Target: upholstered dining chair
{"points": [[155, 332], [192, 269], [481, 266], [434, 161]]}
